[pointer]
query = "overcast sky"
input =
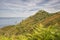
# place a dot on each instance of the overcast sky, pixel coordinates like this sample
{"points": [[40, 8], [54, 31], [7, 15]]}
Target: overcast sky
{"points": [[25, 8]]}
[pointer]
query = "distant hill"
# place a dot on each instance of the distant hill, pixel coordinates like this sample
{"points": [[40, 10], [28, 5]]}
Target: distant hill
{"points": [[28, 25]]}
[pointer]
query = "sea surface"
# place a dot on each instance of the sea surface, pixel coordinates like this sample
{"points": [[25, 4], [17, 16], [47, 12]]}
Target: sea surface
{"points": [[5, 21]]}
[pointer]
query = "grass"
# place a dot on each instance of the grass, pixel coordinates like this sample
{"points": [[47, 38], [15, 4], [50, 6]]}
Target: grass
{"points": [[39, 33]]}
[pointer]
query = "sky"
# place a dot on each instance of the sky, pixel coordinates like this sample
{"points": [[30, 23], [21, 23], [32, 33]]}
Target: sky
{"points": [[26, 8]]}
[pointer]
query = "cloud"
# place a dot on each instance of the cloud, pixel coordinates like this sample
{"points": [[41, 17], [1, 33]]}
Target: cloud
{"points": [[25, 8]]}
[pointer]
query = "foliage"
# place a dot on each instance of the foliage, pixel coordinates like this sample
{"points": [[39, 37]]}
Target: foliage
{"points": [[40, 33]]}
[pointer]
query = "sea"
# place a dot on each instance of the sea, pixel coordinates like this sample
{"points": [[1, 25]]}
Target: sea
{"points": [[5, 21]]}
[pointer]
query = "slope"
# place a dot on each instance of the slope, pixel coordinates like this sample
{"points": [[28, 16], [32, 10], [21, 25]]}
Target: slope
{"points": [[28, 25]]}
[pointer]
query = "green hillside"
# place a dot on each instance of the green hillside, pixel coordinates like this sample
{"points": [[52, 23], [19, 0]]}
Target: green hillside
{"points": [[52, 20], [34, 24]]}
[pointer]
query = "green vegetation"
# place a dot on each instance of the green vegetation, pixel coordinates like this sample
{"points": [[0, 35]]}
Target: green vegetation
{"points": [[41, 26], [39, 33]]}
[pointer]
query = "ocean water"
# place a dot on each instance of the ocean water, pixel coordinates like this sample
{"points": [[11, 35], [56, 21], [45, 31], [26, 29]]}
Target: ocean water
{"points": [[5, 21]]}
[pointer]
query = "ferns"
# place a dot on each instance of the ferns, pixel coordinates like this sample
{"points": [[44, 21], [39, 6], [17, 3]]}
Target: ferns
{"points": [[39, 33]]}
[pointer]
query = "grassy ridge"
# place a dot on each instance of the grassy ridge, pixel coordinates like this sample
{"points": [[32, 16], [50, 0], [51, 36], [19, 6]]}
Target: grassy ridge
{"points": [[41, 26]]}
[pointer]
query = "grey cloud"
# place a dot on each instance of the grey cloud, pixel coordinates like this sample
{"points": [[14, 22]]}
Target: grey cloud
{"points": [[27, 7]]}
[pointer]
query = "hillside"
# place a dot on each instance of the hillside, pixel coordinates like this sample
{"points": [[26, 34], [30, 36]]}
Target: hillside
{"points": [[52, 20], [28, 25]]}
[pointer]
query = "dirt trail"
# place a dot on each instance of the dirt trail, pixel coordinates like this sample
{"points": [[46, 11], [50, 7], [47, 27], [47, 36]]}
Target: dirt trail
{"points": [[49, 19]]}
